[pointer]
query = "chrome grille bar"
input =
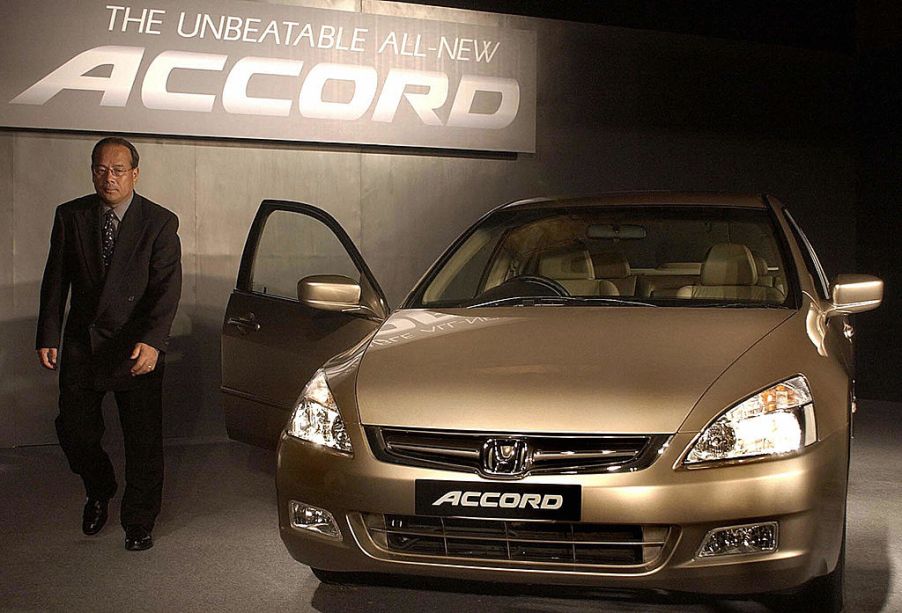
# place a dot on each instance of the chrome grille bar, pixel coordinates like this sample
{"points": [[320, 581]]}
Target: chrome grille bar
{"points": [[460, 453], [604, 454]]}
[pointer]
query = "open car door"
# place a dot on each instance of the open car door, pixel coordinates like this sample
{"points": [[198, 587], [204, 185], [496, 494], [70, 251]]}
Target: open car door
{"points": [[272, 341]]}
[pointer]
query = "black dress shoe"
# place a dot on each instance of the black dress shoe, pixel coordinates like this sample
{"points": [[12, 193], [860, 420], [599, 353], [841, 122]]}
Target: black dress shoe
{"points": [[94, 516], [138, 538]]}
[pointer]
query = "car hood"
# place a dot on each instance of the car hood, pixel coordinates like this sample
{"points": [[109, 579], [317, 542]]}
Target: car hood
{"points": [[552, 369]]}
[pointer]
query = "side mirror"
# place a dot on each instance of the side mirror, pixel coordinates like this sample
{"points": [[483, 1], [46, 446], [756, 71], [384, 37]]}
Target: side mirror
{"points": [[855, 294], [333, 293], [329, 292]]}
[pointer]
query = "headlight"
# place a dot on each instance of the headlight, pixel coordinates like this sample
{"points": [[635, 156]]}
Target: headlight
{"points": [[316, 418], [777, 421]]}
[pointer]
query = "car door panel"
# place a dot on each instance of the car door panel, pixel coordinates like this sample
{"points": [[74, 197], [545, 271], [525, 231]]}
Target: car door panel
{"points": [[271, 343]]}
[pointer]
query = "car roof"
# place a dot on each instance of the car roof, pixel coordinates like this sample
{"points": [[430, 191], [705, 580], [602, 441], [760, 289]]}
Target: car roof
{"points": [[651, 198]]}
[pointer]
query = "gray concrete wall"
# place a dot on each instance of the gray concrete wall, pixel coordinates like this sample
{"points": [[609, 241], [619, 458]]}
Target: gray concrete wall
{"points": [[617, 109]]}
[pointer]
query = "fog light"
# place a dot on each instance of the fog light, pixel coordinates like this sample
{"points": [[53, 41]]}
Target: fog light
{"points": [[732, 540], [306, 517]]}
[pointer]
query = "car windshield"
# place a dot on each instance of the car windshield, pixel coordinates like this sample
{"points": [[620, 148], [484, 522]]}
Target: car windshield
{"points": [[701, 256]]}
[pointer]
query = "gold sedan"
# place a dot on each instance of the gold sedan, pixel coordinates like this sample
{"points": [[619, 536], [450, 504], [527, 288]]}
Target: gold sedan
{"points": [[637, 390]]}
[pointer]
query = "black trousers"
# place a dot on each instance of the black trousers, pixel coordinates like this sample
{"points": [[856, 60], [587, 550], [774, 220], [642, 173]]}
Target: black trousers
{"points": [[80, 428]]}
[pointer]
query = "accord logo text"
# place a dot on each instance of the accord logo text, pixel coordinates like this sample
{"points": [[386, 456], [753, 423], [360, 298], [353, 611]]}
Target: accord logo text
{"points": [[503, 500], [424, 91]]}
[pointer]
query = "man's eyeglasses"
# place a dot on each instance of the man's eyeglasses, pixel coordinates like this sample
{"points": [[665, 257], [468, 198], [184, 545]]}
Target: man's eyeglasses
{"points": [[116, 171]]}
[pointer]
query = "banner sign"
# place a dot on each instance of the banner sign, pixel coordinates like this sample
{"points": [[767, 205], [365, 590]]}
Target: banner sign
{"points": [[237, 69]]}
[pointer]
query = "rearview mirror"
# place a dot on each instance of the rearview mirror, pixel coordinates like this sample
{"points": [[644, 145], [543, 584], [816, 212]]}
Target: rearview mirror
{"points": [[855, 294], [615, 231], [329, 292]]}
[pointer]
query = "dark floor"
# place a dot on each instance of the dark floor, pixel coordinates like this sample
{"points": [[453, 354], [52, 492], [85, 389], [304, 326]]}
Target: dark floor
{"points": [[218, 548]]}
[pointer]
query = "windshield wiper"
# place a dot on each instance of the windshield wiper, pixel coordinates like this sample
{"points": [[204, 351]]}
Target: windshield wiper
{"points": [[557, 301], [613, 301], [737, 305], [523, 301]]}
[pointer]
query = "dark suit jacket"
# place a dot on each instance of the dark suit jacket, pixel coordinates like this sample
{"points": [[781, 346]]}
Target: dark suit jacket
{"points": [[134, 302]]}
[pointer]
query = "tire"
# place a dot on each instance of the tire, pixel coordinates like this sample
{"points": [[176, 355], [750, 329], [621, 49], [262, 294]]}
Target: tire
{"points": [[332, 577], [825, 594]]}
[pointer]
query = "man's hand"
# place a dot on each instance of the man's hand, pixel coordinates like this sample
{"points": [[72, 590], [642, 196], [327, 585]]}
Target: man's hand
{"points": [[47, 356], [145, 358]]}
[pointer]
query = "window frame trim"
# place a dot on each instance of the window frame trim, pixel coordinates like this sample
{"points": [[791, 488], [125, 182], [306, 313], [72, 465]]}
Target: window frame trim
{"points": [[810, 256], [255, 233]]}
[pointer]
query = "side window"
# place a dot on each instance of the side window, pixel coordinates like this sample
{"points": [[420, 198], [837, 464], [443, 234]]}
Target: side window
{"points": [[293, 246], [811, 261]]}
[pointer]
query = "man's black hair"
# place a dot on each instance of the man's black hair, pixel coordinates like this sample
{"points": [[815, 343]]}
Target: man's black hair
{"points": [[115, 140]]}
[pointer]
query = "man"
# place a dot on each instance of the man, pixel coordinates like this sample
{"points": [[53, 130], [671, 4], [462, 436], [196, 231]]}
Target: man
{"points": [[120, 255]]}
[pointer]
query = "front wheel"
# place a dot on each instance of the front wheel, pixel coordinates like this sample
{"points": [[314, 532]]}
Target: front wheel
{"points": [[332, 577], [826, 594], [823, 594]]}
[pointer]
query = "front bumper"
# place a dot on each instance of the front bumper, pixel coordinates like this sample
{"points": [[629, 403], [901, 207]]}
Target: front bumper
{"points": [[805, 494]]}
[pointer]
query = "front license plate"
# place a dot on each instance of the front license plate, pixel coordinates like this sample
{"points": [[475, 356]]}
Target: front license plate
{"points": [[498, 500]]}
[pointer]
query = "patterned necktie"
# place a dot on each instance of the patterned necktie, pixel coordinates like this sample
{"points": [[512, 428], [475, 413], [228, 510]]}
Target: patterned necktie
{"points": [[109, 238]]}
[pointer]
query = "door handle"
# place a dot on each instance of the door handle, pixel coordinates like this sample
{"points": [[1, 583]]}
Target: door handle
{"points": [[248, 323]]}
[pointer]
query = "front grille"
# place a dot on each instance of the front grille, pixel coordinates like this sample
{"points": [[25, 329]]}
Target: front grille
{"points": [[519, 542], [547, 454]]}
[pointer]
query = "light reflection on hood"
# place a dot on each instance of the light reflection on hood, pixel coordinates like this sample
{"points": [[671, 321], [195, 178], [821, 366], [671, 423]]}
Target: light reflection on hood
{"points": [[406, 326]]}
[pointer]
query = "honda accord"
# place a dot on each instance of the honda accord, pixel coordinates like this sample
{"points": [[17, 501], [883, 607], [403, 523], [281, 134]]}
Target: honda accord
{"points": [[636, 390]]}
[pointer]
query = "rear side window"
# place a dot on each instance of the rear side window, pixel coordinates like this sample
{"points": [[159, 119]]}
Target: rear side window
{"points": [[811, 260]]}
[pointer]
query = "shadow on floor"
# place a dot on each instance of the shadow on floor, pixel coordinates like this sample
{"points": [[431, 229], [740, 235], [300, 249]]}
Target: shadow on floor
{"points": [[413, 595]]}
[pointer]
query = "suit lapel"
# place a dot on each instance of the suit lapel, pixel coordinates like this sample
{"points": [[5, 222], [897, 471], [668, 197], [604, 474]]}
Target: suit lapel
{"points": [[130, 230], [89, 239]]}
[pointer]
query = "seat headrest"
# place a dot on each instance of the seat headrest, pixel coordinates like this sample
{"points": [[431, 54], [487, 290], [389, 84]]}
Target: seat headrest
{"points": [[610, 265], [729, 264], [760, 265], [567, 265]]}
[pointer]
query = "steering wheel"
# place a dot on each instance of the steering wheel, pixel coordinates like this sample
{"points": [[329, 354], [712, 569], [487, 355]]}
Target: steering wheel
{"points": [[543, 282]]}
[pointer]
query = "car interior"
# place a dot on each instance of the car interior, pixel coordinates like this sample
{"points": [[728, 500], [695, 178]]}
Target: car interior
{"points": [[591, 260]]}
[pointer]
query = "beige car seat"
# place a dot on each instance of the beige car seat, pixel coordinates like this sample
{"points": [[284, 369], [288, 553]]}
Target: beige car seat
{"points": [[729, 272], [765, 276], [574, 270], [614, 268]]}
